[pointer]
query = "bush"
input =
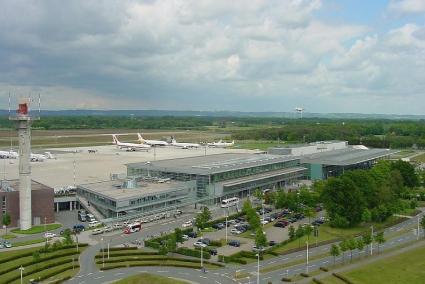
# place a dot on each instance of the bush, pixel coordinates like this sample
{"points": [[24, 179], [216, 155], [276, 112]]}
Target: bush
{"points": [[59, 281], [124, 253], [119, 249], [324, 269], [342, 278], [285, 279], [109, 267], [193, 252], [216, 243], [152, 244], [317, 281], [304, 275]]}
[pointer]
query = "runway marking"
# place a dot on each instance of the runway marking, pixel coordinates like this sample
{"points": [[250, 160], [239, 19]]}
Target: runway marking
{"points": [[327, 261], [90, 274], [299, 255], [162, 271], [183, 273], [217, 282], [267, 278], [143, 271], [119, 273], [271, 262], [203, 277], [99, 277]]}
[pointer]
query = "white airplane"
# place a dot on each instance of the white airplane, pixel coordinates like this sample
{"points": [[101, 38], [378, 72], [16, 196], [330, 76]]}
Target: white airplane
{"points": [[8, 155], [184, 145], [151, 142], [221, 144], [129, 146], [41, 157]]}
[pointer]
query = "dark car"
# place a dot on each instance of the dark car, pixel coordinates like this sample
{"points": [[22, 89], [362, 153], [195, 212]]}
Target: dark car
{"points": [[272, 243], [292, 219], [218, 226], [192, 234], [79, 228], [234, 243], [268, 210], [205, 241], [279, 224], [212, 251], [240, 219]]}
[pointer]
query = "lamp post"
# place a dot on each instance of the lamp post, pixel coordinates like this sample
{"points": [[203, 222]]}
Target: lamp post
{"points": [[22, 271], [109, 243], [103, 253], [417, 235], [258, 268], [202, 260], [227, 213], [45, 229], [306, 267], [371, 241]]}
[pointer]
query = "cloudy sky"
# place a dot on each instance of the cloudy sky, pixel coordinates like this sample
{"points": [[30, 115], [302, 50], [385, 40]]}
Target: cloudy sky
{"points": [[246, 55]]}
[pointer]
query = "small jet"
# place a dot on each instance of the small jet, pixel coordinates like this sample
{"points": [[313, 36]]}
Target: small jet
{"points": [[8, 155], [129, 146], [151, 142], [41, 157], [221, 144], [183, 145]]}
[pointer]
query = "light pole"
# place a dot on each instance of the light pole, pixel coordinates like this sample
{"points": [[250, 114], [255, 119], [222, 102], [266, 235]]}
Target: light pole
{"points": [[103, 253], [22, 271], [258, 268], [202, 260], [227, 213], [109, 242], [306, 267], [371, 241], [262, 207], [45, 229], [76, 240], [417, 235]]}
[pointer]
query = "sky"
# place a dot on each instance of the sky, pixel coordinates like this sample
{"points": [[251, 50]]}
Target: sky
{"points": [[337, 56]]}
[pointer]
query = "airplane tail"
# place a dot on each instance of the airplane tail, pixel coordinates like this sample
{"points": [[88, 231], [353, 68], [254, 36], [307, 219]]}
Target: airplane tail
{"points": [[173, 140], [49, 155], [115, 139], [141, 140], [233, 142]]}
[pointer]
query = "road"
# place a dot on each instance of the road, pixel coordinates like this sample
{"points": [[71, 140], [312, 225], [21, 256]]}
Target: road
{"points": [[90, 274]]}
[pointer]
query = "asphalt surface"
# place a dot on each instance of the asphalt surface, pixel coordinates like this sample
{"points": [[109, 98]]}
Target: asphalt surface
{"points": [[90, 274]]}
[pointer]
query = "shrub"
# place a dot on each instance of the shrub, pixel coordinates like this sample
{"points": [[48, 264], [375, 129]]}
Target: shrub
{"points": [[304, 275], [324, 269], [286, 279], [193, 252], [342, 278], [317, 281], [109, 267], [216, 243], [119, 249]]}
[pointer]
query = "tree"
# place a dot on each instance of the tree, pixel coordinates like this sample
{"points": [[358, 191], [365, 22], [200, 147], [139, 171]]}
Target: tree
{"points": [[179, 235], [352, 245], [202, 218], [360, 245], [366, 216], [407, 171], [171, 243], [334, 251], [6, 220], [291, 232], [379, 238], [260, 238], [299, 233], [343, 198], [309, 212], [259, 194], [67, 234], [307, 231], [253, 220], [423, 225], [247, 207], [367, 240], [343, 246]]}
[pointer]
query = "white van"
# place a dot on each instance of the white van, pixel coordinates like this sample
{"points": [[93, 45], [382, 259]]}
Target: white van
{"points": [[93, 224]]}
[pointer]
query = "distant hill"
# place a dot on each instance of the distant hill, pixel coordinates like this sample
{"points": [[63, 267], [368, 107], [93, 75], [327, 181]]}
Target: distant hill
{"points": [[221, 114]]}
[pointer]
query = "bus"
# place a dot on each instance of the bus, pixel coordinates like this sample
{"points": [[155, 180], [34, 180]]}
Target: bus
{"points": [[225, 203], [132, 228]]}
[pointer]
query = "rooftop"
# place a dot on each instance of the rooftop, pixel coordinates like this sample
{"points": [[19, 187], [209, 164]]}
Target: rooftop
{"points": [[13, 185], [212, 164], [308, 144], [346, 157], [113, 189]]}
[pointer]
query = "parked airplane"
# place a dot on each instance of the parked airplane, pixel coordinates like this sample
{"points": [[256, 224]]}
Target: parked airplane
{"points": [[129, 146], [41, 157], [183, 145], [8, 155], [151, 142], [221, 144]]}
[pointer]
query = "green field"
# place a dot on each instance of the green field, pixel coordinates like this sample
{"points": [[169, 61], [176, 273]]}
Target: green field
{"points": [[37, 229], [419, 159], [145, 278], [405, 268], [29, 242]]}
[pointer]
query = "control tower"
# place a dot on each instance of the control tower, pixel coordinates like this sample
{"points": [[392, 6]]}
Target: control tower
{"points": [[23, 121]]}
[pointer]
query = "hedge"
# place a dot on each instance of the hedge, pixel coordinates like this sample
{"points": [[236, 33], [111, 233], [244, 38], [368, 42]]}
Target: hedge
{"points": [[119, 249], [152, 244], [285, 279], [317, 281], [304, 275], [193, 252], [109, 267], [59, 281], [342, 278], [116, 254], [131, 259], [323, 269], [216, 243]]}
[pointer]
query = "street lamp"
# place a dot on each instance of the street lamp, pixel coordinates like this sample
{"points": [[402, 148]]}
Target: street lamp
{"points": [[22, 271], [258, 268], [306, 267], [227, 213], [109, 243], [103, 253], [371, 241], [202, 260]]}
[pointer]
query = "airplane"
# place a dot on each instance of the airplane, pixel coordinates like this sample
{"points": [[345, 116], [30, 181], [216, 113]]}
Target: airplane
{"points": [[221, 144], [41, 157], [151, 142], [129, 146], [184, 145], [8, 155]]}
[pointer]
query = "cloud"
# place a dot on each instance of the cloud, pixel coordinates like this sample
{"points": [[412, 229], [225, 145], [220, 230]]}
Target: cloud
{"points": [[175, 54], [407, 6]]}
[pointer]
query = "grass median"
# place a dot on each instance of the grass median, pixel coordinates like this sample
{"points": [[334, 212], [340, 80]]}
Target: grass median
{"points": [[37, 229], [146, 278]]}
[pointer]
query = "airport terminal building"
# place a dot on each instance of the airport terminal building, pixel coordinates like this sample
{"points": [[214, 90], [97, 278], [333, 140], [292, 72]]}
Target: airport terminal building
{"points": [[221, 176]]}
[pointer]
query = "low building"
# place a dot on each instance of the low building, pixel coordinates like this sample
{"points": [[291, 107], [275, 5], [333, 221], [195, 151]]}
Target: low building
{"points": [[42, 200], [135, 196], [308, 149], [225, 175], [335, 163]]}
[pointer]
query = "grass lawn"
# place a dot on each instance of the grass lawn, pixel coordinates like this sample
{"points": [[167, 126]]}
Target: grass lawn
{"points": [[30, 242], [8, 236], [331, 280], [405, 268], [37, 229], [420, 158], [145, 278], [328, 233]]}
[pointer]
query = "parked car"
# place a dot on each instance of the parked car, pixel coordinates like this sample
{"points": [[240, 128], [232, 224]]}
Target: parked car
{"points": [[235, 231], [280, 224], [234, 243], [187, 224], [78, 228], [257, 249], [108, 229], [97, 231], [218, 226], [205, 241], [272, 243], [1, 245], [7, 244], [213, 251], [93, 224], [199, 245], [192, 234], [264, 222], [117, 226], [185, 237], [49, 235]]}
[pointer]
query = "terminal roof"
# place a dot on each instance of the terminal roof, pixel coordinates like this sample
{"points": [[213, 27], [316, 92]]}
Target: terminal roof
{"points": [[211, 164]]}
